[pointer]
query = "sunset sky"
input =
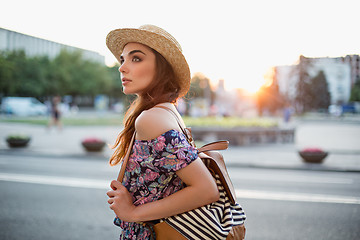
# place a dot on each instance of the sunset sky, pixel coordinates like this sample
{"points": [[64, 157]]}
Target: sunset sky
{"points": [[237, 41]]}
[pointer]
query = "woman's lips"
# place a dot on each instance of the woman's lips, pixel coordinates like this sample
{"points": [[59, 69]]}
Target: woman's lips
{"points": [[125, 81]]}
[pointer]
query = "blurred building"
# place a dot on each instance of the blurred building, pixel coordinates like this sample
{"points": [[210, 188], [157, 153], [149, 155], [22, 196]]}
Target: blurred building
{"points": [[224, 101], [33, 46], [354, 62], [341, 73], [234, 102]]}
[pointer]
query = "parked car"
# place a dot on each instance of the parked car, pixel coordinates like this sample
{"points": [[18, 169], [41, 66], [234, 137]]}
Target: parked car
{"points": [[23, 106], [348, 108]]}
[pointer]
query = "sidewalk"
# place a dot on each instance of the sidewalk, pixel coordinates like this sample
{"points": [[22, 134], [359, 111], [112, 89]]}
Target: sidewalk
{"points": [[340, 139]]}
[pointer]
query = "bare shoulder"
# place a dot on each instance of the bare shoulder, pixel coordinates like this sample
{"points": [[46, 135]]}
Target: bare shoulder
{"points": [[153, 122]]}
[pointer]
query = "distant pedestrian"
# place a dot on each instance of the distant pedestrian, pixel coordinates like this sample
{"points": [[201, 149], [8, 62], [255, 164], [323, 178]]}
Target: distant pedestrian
{"points": [[164, 176], [55, 113], [287, 112]]}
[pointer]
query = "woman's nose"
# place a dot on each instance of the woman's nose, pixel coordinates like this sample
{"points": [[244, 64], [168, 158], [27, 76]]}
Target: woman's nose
{"points": [[122, 68]]}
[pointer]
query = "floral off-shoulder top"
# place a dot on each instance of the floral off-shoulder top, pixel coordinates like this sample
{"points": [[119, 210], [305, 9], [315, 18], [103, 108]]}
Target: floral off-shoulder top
{"points": [[151, 174]]}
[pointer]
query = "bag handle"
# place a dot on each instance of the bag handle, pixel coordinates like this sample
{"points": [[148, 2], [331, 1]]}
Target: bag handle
{"points": [[218, 145], [128, 151], [126, 159], [180, 123]]}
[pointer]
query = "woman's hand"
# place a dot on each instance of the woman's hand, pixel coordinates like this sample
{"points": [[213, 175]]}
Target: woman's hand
{"points": [[121, 202]]}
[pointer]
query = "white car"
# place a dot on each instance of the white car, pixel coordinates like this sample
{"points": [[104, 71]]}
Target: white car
{"points": [[23, 106]]}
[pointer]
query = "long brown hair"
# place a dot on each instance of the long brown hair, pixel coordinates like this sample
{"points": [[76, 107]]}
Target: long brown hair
{"points": [[163, 88]]}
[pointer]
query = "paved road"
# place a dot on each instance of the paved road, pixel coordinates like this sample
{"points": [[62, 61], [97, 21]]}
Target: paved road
{"points": [[55, 190], [64, 198]]}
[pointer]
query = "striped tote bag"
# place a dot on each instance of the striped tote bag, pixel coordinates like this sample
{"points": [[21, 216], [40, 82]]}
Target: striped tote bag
{"points": [[213, 221]]}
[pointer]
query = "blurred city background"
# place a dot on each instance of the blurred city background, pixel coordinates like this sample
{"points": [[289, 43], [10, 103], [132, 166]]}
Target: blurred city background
{"points": [[279, 79]]}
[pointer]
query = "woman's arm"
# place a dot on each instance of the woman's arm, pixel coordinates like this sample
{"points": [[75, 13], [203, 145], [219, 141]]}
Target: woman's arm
{"points": [[200, 188]]}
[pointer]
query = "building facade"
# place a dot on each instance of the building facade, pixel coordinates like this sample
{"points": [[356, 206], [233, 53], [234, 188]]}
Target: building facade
{"points": [[341, 74], [33, 46], [354, 62]]}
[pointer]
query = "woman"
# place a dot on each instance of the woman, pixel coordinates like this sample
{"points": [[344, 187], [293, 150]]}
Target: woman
{"points": [[55, 113], [162, 160]]}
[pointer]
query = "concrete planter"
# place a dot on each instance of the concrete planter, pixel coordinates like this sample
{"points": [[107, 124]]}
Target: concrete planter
{"points": [[17, 142], [93, 145], [313, 157], [241, 136]]}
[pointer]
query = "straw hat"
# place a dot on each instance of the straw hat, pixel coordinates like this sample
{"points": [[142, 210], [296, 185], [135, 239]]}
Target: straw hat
{"points": [[157, 39]]}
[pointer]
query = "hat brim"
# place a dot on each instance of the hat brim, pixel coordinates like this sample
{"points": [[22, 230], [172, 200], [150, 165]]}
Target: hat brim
{"points": [[117, 39]]}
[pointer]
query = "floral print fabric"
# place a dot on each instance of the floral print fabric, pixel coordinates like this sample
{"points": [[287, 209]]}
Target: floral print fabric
{"points": [[151, 174]]}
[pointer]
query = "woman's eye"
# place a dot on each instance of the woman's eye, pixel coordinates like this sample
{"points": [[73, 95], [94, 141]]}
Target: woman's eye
{"points": [[136, 59]]}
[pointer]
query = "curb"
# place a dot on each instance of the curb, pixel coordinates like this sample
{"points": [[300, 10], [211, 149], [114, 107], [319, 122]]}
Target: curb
{"points": [[103, 157], [307, 167]]}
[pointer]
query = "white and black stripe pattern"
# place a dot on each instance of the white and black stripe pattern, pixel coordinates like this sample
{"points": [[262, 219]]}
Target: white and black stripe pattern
{"points": [[211, 222]]}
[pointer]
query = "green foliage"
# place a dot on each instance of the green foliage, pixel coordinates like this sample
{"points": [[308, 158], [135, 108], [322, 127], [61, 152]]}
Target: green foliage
{"points": [[17, 137], [9, 72], [116, 120], [67, 74], [229, 122], [355, 91], [312, 93], [316, 93], [303, 96], [319, 92], [269, 98], [116, 89], [200, 87]]}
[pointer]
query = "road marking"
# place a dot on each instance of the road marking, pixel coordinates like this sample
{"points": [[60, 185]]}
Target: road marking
{"points": [[299, 197], [57, 181], [240, 193], [325, 180]]}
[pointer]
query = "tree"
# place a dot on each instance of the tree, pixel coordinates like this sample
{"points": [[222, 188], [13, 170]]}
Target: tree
{"points": [[67, 74], [34, 77], [116, 89], [302, 95], [269, 98], [72, 75], [68, 77], [97, 79], [6, 75], [11, 72], [355, 91], [200, 87], [21, 75], [319, 92]]}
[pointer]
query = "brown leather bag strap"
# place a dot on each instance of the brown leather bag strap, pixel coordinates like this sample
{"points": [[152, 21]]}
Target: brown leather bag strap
{"points": [[218, 145], [128, 152], [126, 159], [215, 160], [180, 123]]}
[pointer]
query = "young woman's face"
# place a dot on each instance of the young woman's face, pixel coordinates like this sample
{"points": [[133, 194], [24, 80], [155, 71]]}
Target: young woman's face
{"points": [[137, 68]]}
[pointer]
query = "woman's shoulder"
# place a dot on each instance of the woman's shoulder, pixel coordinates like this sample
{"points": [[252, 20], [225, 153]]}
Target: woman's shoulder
{"points": [[153, 122]]}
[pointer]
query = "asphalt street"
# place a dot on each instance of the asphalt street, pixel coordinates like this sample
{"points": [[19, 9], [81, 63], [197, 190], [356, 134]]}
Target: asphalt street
{"points": [[65, 198], [53, 189]]}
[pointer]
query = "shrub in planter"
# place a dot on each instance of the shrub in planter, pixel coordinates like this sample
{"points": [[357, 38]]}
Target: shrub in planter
{"points": [[17, 141], [93, 144], [313, 155]]}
